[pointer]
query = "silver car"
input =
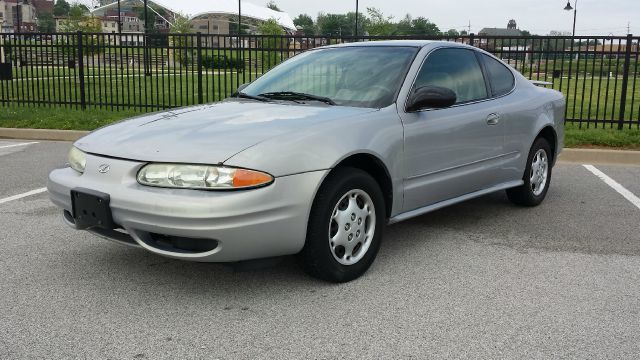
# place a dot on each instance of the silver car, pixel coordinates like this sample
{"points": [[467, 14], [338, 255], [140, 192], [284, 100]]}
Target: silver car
{"points": [[315, 157]]}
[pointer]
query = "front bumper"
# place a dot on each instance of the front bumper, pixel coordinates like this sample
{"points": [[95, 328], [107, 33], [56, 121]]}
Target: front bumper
{"points": [[245, 224]]}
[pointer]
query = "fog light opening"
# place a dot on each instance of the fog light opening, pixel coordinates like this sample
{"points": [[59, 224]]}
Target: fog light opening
{"points": [[180, 244]]}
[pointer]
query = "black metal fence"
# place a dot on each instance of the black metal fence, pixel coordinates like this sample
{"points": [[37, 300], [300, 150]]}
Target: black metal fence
{"points": [[597, 74]]}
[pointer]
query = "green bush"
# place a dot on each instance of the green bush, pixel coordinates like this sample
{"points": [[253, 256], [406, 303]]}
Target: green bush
{"points": [[222, 62]]}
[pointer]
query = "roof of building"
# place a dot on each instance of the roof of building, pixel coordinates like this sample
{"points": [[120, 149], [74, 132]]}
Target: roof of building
{"points": [[43, 6], [195, 8], [499, 32]]}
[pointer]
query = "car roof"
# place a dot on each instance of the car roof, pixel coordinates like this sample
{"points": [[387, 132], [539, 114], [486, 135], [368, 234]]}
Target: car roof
{"points": [[405, 43]]}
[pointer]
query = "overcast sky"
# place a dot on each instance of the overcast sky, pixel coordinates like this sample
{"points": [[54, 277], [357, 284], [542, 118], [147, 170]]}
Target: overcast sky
{"points": [[599, 17]]}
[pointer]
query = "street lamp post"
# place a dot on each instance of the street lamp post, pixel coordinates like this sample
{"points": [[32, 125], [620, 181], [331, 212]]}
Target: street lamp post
{"points": [[575, 12]]}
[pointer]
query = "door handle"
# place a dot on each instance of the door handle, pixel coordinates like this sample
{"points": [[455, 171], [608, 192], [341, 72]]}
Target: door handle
{"points": [[493, 119]]}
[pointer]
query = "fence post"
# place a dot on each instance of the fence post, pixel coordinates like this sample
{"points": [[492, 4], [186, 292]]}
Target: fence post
{"points": [[83, 101], [471, 39], [625, 80], [199, 62]]}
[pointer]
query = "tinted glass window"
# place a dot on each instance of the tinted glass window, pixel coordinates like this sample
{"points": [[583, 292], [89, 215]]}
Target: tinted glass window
{"points": [[456, 69], [367, 76], [500, 77]]}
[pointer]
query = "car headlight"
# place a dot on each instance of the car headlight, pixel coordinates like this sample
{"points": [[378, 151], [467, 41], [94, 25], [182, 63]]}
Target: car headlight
{"points": [[203, 177], [77, 159]]}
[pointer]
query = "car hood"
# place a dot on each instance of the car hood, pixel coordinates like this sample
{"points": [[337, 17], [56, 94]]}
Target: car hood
{"points": [[207, 134]]}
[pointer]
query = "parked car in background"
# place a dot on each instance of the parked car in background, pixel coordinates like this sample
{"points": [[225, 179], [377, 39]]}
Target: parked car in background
{"points": [[315, 157]]}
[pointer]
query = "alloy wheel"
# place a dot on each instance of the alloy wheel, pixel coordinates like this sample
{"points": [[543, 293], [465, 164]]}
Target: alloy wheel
{"points": [[539, 172], [352, 226]]}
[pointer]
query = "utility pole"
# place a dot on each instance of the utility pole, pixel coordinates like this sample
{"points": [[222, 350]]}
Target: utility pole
{"points": [[19, 15], [239, 56], [119, 19], [147, 55], [146, 22], [356, 31], [239, 16]]}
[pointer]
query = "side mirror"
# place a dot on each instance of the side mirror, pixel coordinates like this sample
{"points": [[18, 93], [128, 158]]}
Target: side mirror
{"points": [[430, 97]]}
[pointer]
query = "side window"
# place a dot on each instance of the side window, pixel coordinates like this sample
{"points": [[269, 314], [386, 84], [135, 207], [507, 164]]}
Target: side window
{"points": [[500, 77], [456, 69]]}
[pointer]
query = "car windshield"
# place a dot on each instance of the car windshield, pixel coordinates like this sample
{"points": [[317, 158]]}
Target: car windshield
{"points": [[366, 76]]}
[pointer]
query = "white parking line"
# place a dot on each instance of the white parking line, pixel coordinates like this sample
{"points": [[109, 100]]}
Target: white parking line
{"points": [[20, 144], [20, 196], [615, 185]]}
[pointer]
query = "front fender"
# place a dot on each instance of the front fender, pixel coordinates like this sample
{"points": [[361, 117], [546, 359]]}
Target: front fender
{"points": [[324, 145]]}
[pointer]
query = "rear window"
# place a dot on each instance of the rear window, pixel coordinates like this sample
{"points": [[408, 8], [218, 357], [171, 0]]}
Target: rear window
{"points": [[500, 77]]}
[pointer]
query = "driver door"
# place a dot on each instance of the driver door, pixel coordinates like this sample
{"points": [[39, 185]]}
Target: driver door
{"points": [[457, 150]]}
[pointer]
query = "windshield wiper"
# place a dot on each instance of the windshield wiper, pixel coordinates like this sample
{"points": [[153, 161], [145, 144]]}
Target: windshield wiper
{"points": [[240, 94], [292, 95]]}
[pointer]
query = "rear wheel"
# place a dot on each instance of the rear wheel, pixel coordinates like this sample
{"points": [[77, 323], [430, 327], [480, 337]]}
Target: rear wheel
{"points": [[345, 226], [537, 176]]}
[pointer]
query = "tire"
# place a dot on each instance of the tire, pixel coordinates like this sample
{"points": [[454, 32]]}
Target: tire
{"points": [[535, 186], [343, 237]]}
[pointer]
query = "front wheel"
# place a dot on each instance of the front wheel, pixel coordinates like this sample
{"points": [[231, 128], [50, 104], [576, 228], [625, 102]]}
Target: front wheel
{"points": [[537, 176], [345, 226]]}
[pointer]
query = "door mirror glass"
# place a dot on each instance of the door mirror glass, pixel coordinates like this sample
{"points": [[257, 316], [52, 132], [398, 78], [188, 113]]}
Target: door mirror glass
{"points": [[431, 97]]}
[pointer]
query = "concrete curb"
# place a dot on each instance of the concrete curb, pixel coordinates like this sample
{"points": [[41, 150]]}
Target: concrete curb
{"points": [[42, 134], [600, 156], [581, 156]]}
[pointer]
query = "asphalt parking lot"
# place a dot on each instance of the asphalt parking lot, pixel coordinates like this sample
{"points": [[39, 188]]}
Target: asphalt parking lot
{"points": [[482, 279]]}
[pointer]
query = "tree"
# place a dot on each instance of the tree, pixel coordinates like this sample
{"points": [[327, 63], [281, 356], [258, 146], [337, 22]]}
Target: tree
{"points": [[151, 16], [350, 24], [271, 58], [61, 8], [305, 22], [80, 20], [46, 23], [418, 26], [378, 24], [273, 6], [181, 43], [452, 33], [331, 24]]}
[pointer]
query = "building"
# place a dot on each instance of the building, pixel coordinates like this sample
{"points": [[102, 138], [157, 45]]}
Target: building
{"points": [[18, 16], [22, 12], [219, 17], [510, 31], [43, 6], [130, 21]]}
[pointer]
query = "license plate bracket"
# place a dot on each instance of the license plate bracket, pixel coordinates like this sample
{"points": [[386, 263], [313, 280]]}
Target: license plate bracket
{"points": [[91, 209]]}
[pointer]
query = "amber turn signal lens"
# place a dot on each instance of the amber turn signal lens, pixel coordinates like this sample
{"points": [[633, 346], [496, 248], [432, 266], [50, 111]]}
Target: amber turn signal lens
{"points": [[248, 178]]}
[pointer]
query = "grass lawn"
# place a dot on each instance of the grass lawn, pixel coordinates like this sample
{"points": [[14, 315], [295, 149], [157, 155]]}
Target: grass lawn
{"points": [[59, 118], [72, 119], [599, 137]]}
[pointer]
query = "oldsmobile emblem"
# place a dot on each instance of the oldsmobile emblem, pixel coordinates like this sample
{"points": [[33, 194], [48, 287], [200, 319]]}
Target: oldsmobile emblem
{"points": [[104, 168]]}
